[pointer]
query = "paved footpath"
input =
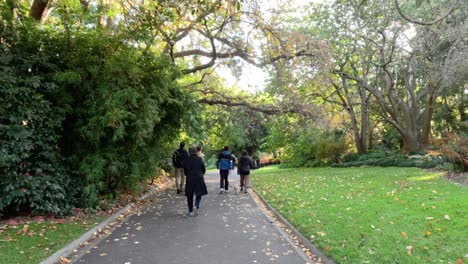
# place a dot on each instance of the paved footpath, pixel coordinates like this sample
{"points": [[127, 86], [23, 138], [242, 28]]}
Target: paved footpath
{"points": [[230, 229]]}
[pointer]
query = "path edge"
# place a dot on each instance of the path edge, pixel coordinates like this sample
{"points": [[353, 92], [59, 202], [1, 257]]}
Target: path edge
{"points": [[325, 259], [75, 244]]}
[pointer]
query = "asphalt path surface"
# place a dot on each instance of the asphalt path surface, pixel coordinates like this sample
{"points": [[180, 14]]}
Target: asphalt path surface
{"points": [[229, 229]]}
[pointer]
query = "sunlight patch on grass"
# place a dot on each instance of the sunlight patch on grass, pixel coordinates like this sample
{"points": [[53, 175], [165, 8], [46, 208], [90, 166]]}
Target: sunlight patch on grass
{"points": [[431, 176]]}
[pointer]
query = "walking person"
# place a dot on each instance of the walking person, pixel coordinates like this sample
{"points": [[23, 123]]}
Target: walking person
{"points": [[177, 161], [224, 163], [194, 169], [244, 165], [200, 153]]}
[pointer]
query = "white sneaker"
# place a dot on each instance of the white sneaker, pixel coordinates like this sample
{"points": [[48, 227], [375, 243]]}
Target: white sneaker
{"points": [[221, 190]]}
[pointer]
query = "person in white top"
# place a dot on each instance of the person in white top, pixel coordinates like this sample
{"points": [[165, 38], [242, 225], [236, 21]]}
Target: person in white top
{"points": [[200, 153]]}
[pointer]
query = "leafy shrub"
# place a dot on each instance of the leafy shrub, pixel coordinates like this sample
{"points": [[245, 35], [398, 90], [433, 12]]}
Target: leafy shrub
{"points": [[331, 148], [313, 148], [33, 176], [383, 159], [90, 110], [455, 147]]}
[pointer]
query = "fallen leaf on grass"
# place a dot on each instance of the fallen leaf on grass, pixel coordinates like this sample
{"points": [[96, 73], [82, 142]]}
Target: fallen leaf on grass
{"points": [[23, 230], [8, 239], [409, 249], [404, 234], [43, 230], [427, 233], [321, 233]]}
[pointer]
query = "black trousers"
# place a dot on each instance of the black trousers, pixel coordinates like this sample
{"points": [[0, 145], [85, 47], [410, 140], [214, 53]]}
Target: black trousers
{"points": [[223, 181], [190, 202]]}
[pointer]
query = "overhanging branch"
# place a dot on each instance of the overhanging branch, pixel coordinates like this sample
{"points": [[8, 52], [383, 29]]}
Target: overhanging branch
{"points": [[423, 23]]}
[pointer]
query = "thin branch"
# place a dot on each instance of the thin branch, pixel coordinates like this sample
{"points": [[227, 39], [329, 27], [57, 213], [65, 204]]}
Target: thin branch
{"points": [[423, 23], [207, 65], [201, 80]]}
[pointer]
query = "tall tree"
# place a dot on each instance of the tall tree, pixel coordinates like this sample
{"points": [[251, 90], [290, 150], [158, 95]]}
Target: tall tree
{"points": [[382, 58]]}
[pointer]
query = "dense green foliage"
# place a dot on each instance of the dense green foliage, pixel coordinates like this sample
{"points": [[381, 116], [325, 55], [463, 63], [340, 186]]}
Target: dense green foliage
{"points": [[300, 143], [82, 114], [372, 215], [31, 115]]}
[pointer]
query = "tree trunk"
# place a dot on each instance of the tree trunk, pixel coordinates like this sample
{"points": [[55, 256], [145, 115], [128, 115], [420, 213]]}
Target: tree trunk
{"points": [[38, 9], [410, 142], [364, 120], [426, 131], [462, 108]]}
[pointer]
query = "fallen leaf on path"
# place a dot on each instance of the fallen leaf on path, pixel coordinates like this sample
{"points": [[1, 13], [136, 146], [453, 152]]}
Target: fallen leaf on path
{"points": [[64, 260]]}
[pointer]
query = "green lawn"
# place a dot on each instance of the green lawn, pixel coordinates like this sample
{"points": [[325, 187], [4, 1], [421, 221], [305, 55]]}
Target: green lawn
{"points": [[39, 240], [372, 214]]}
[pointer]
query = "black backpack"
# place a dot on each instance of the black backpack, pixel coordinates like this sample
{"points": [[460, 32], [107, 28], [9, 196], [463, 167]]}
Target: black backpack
{"points": [[178, 157]]}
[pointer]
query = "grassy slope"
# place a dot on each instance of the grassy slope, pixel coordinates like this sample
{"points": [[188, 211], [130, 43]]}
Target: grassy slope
{"points": [[372, 215]]}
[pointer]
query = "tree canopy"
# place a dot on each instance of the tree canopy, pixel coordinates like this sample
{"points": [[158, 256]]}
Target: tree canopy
{"points": [[95, 93]]}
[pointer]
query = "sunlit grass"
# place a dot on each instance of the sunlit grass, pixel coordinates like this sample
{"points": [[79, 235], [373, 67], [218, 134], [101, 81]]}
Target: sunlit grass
{"points": [[40, 240], [372, 215]]}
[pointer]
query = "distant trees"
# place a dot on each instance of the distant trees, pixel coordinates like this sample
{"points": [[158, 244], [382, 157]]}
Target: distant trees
{"points": [[392, 66]]}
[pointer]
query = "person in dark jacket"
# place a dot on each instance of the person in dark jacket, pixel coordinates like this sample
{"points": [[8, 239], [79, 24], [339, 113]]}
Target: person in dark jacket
{"points": [[194, 169], [244, 165], [177, 161], [224, 163]]}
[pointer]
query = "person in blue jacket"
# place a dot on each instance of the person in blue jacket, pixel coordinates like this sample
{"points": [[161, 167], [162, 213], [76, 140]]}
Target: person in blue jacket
{"points": [[224, 163]]}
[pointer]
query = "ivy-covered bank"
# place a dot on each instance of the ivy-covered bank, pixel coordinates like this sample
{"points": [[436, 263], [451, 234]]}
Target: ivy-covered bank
{"points": [[82, 114]]}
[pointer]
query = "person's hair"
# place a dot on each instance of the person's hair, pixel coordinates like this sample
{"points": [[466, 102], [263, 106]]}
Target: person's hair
{"points": [[226, 147], [198, 148], [244, 153], [182, 144], [192, 150]]}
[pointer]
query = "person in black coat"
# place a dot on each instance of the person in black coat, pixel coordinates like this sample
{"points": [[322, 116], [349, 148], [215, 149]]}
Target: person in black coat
{"points": [[244, 165], [194, 169]]}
